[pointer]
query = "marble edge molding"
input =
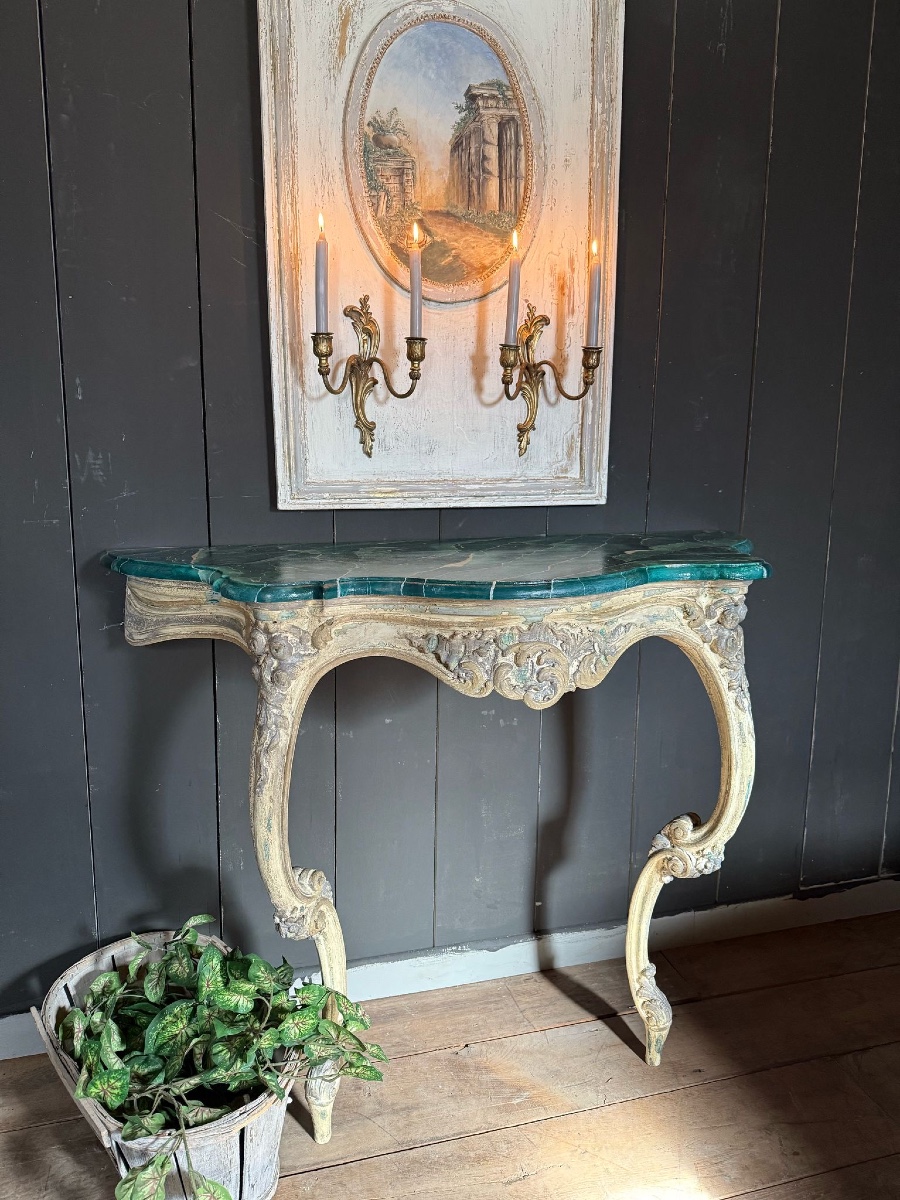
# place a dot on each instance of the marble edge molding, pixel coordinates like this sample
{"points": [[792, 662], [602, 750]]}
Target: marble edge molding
{"points": [[221, 582]]}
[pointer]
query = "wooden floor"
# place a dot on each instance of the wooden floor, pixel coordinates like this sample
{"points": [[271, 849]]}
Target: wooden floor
{"points": [[780, 1081]]}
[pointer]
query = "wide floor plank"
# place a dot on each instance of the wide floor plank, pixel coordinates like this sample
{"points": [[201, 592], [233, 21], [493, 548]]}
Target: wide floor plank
{"points": [[721, 1139], [813, 952], [474, 1012], [63, 1161], [457, 1016], [31, 1094], [510, 1081], [878, 1180]]}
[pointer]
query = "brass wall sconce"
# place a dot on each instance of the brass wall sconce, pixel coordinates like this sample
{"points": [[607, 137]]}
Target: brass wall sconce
{"points": [[358, 371], [522, 353]]}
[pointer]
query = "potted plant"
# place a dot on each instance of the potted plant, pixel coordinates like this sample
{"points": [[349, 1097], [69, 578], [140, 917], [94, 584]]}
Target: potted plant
{"points": [[182, 1052]]}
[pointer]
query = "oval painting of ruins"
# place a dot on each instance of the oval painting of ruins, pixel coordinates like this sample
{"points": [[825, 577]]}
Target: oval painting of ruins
{"points": [[440, 133]]}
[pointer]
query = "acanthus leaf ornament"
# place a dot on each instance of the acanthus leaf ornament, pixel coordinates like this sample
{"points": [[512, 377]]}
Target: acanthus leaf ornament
{"points": [[718, 622], [536, 664], [277, 657], [678, 858], [307, 920]]}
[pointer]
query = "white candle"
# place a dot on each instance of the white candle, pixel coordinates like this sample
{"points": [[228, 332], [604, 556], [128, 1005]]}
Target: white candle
{"points": [[321, 279], [512, 295], [415, 286], [592, 335]]}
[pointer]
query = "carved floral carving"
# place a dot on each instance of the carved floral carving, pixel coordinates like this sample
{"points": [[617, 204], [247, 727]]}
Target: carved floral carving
{"points": [[651, 1002], [718, 624], [536, 664], [680, 861], [278, 655]]}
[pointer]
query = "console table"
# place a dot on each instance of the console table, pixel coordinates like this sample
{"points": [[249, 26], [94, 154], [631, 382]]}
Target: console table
{"points": [[531, 618]]}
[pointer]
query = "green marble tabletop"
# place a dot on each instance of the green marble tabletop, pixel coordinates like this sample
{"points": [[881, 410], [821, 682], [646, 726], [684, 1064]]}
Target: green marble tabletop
{"points": [[541, 568]]}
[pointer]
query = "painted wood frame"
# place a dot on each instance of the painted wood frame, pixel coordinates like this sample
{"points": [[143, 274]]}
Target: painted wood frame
{"points": [[453, 442]]}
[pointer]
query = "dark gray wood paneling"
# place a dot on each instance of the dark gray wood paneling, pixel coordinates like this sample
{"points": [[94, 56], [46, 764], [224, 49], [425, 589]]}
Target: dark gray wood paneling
{"points": [[487, 785], [722, 95], [850, 768], [820, 94], [118, 88], [385, 763], [43, 774], [587, 741], [231, 238]]}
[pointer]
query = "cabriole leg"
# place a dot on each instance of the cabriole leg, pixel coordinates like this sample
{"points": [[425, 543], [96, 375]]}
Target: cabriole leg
{"points": [[688, 847], [286, 668]]}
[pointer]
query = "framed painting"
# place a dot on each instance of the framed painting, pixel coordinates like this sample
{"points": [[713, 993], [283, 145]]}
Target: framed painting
{"points": [[429, 135]]}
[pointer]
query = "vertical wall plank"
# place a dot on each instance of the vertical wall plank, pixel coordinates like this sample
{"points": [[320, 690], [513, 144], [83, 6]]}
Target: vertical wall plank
{"points": [[231, 237], [43, 775], [723, 77], [850, 768], [823, 54], [487, 785], [386, 731], [118, 88], [587, 741]]}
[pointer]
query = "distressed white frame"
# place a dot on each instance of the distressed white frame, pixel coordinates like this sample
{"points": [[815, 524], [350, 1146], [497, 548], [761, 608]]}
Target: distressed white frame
{"points": [[369, 483]]}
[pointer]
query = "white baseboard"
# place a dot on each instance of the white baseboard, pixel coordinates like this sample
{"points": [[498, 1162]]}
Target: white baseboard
{"points": [[452, 965], [373, 979], [19, 1037]]}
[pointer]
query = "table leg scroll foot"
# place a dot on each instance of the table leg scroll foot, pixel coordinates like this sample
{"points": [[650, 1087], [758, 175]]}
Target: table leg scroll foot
{"points": [[689, 847], [318, 919], [321, 1089]]}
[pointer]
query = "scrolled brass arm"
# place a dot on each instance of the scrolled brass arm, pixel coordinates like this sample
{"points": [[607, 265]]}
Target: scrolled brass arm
{"points": [[532, 372], [358, 368]]}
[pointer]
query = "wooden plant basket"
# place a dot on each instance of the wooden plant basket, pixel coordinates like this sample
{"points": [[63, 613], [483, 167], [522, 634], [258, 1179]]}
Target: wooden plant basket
{"points": [[239, 1151]]}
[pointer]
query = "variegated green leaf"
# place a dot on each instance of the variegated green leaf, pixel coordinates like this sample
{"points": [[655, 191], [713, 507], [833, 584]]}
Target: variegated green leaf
{"points": [[147, 1069], [239, 997], [354, 1016], [136, 963], [104, 986], [362, 1072], [143, 1125], [211, 976], [299, 1025], [207, 1189], [111, 1042], [193, 922], [273, 1083], [319, 1049], [270, 1039], [179, 964], [262, 973], [90, 1053], [109, 1088], [155, 981], [375, 1051], [312, 993], [285, 974], [194, 1112], [76, 1024], [147, 1182], [169, 1027]]}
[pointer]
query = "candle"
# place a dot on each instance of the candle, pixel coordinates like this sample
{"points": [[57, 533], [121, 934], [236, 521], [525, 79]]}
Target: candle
{"points": [[512, 295], [321, 279], [415, 286], [592, 336]]}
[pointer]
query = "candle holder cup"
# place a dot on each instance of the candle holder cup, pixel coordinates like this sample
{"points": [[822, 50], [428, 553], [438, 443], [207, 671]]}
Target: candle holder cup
{"points": [[523, 354], [358, 370]]}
